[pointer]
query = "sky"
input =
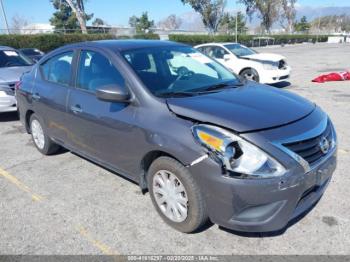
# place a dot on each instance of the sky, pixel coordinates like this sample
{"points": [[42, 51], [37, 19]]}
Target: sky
{"points": [[117, 12]]}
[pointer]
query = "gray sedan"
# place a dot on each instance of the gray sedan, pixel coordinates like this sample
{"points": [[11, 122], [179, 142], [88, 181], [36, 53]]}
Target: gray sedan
{"points": [[12, 65], [204, 143]]}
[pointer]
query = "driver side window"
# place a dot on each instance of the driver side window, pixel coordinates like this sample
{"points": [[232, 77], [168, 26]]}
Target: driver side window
{"points": [[217, 52], [95, 71]]}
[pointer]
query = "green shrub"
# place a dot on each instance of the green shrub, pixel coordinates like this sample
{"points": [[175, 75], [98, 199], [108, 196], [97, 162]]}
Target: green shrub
{"points": [[245, 39], [48, 42]]}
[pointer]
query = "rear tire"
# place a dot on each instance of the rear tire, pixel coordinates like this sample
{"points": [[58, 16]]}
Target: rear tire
{"points": [[250, 74], [187, 210], [41, 141]]}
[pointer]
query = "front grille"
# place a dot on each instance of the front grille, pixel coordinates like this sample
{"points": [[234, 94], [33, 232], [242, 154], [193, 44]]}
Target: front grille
{"points": [[310, 149], [284, 77], [282, 64]]}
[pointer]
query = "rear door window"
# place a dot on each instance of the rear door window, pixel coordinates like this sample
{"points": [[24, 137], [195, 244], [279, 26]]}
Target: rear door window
{"points": [[58, 69]]}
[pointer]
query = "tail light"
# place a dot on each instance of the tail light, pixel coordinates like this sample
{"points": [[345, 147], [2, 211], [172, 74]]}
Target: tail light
{"points": [[18, 85]]}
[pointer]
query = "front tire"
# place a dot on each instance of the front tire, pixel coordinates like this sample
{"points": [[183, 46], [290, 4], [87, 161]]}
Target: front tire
{"points": [[41, 141], [250, 74], [176, 195]]}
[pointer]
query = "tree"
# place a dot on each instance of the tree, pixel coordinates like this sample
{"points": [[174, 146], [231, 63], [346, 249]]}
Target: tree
{"points": [[331, 24], [267, 11], [344, 21], [172, 22], [211, 11], [79, 10], [287, 17], [17, 23], [302, 26], [228, 23], [98, 22], [133, 21], [70, 15], [142, 24]]}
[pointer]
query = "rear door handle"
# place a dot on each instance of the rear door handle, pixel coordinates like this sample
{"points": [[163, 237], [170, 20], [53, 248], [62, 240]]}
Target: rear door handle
{"points": [[76, 109], [36, 96]]}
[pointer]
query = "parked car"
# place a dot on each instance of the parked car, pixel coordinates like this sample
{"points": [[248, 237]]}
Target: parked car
{"points": [[205, 144], [260, 67], [33, 53], [12, 65]]}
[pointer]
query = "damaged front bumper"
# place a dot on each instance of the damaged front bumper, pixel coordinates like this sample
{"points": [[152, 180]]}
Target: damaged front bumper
{"points": [[261, 205]]}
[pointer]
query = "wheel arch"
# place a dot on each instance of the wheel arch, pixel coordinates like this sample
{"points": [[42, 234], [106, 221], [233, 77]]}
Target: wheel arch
{"points": [[245, 68], [28, 114], [146, 162]]}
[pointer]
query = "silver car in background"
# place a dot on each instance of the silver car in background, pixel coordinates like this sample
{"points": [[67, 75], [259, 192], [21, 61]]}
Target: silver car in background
{"points": [[12, 65]]}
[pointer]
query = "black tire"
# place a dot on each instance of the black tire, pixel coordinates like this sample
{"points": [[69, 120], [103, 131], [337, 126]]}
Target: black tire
{"points": [[197, 210], [250, 74], [49, 147]]}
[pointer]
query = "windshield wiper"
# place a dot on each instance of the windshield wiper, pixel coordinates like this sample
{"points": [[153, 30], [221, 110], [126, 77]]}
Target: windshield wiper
{"points": [[206, 90], [177, 94], [221, 86]]}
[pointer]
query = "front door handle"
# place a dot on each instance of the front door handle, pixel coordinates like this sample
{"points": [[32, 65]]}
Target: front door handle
{"points": [[76, 109], [36, 96]]}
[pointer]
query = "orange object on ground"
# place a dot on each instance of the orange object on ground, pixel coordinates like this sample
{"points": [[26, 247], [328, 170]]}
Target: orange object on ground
{"points": [[341, 76]]}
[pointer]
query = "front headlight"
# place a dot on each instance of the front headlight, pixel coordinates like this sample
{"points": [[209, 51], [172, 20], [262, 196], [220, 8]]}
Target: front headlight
{"points": [[237, 155], [270, 65]]}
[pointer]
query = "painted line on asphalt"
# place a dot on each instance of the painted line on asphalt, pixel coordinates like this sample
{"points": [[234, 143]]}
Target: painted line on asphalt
{"points": [[14, 180], [99, 245], [343, 151], [36, 197]]}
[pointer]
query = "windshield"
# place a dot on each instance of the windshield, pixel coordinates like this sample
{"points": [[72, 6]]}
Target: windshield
{"points": [[177, 70], [31, 51], [240, 50], [12, 58]]}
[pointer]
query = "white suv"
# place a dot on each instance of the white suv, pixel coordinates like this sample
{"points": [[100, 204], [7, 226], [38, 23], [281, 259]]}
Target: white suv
{"points": [[260, 67]]}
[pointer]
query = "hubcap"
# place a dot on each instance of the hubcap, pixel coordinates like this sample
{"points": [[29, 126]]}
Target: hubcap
{"points": [[250, 76], [170, 195], [38, 134]]}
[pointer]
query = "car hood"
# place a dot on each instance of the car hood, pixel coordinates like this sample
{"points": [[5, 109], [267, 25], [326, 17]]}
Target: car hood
{"points": [[12, 74], [244, 109], [264, 57]]}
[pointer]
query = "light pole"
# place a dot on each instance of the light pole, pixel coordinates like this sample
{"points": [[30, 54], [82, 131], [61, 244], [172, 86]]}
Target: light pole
{"points": [[4, 15], [237, 27]]}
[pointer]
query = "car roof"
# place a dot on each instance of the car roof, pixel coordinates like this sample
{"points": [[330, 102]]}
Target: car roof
{"points": [[218, 43], [122, 45], [2, 48], [29, 48]]}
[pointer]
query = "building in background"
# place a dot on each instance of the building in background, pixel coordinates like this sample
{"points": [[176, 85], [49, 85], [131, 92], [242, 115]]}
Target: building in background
{"points": [[38, 28]]}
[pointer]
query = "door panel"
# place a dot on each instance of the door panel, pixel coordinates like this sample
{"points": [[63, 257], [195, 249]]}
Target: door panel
{"points": [[99, 129], [50, 93]]}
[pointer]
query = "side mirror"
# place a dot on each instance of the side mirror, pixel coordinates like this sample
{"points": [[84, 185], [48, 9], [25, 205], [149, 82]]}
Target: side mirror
{"points": [[113, 93], [227, 57]]}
